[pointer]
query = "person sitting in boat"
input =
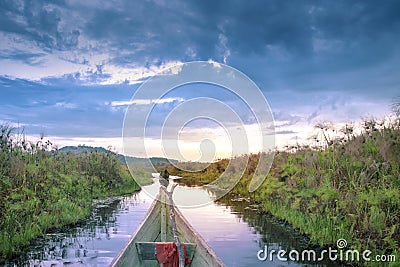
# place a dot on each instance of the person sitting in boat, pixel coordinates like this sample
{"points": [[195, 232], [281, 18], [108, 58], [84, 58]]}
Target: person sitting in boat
{"points": [[164, 175]]}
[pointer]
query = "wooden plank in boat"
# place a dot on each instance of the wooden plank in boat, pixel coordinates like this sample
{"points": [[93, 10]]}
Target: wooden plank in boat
{"points": [[146, 250]]}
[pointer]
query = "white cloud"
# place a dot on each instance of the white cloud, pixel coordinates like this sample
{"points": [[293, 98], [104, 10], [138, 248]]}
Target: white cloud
{"points": [[214, 63], [66, 105], [222, 47], [146, 101]]}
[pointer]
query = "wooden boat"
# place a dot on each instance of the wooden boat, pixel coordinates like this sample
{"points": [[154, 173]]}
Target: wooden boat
{"points": [[156, 227]]}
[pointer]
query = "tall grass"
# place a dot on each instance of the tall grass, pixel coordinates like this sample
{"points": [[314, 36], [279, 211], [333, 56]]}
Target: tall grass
{"points": [[42, 189]]}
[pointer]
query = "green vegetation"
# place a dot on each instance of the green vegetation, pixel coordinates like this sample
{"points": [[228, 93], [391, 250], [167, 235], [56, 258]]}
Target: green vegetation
{"points": [[192, 177], [42, 189], [347, 187]]}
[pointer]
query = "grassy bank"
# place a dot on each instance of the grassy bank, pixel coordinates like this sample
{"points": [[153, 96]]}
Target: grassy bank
{"points": [[349, 187], [42, 189]]}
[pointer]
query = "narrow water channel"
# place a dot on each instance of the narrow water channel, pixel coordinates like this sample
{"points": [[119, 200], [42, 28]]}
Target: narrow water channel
{"points": [[233, 228]]}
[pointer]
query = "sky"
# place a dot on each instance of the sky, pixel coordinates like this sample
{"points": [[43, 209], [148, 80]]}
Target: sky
{"points": [[69, 68]]}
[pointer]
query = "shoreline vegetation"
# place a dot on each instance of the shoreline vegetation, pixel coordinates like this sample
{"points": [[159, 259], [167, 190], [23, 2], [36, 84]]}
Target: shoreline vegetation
{"points": [[43, 189], [348, 187]]}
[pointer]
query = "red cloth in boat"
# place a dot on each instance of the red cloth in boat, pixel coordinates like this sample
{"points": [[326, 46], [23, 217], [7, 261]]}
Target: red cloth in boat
{"points": [[167, 254]]}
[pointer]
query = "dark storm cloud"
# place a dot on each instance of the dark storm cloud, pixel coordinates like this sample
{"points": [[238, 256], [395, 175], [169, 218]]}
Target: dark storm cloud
{"points": [[250, 27], [152, 32], [321, 35], [39, 22], [362, 30], [200, 30], [365, 32]]}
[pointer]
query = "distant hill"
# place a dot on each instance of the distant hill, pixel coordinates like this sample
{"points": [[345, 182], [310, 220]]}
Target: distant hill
{"points": [[82, 149], [156, 161]]}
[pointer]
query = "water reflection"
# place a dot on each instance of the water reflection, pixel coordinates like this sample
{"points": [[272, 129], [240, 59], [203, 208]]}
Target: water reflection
{"points": [[232, 227], [184, 196], [94, 242]]}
